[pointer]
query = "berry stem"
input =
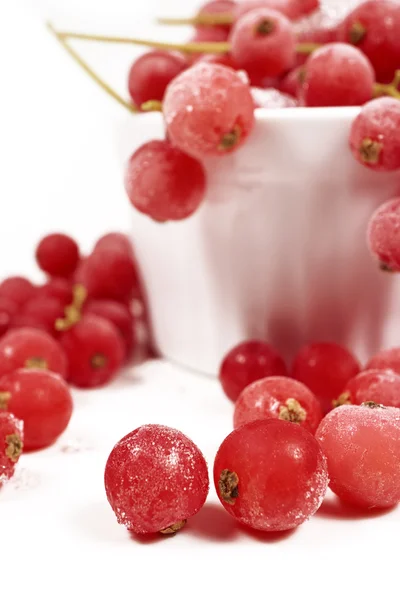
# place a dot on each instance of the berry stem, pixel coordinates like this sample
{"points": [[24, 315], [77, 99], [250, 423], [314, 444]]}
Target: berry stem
{"points": [[151, 106], [307, 47], [62, 39], [388, 89], [205, 19]]}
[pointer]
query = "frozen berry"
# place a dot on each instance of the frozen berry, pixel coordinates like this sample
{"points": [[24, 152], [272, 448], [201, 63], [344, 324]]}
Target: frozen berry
{"points": [[247, 362], [373, 385], [375, 135], [163, 182], [270, 475], [384, 235], [279, 398], [155, 479], [119, 315], [30, 348], [362, 445], [95, 351], [386, 359], [42, 400], [11, 444], [208, 110], [17, 289], [58, 255], [325, 368], [271, 98]]}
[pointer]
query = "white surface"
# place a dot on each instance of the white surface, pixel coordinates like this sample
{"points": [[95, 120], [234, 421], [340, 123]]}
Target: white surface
{"points": [[59, 538]]}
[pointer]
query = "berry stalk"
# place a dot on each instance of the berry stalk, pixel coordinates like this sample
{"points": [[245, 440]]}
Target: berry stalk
{"points": [[205, 19], [388, 89]]}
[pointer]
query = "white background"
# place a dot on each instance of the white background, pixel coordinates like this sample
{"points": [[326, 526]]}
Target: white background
{"points": [[59, 538]]}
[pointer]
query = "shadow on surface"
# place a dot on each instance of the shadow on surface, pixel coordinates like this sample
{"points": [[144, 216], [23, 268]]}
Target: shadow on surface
{"points": [[267, 537], [212, 523], [334, 508]]}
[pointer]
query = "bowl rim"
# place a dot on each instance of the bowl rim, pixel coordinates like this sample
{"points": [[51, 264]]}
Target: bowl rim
{"points": [[319, 113]]}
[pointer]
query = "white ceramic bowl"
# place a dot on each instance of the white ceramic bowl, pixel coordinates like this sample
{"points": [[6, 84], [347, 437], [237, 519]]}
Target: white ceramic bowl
{"points": [[278, 249]]}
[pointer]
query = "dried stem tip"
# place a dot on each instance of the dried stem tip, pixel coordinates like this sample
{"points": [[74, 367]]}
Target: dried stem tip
{"points": [[342, 400], [5, 397], [292, 411], [36, 362], [14, 447], [265, 27], [371, 404], [370, 151], [173, 528], [231, 139], [357, 33], [228, 486]]}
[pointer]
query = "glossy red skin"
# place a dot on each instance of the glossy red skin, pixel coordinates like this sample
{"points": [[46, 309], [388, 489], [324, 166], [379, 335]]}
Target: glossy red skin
{"points": [[163, 182], [46, 310], [291, 83], [151, 73], [23, 321], [247, 362], [42, 400], [379, 121], [282, 474], [383, 234], [92, 336], [351, 85], [381, 43], [386, 359], [18, 289], [221, 104], [20, 345], [263, 399], [8, 308], [262, 56], [9, 425], [285, 7], [109, 274], [114, 241], [322, 34], [362, 446], [58, 288], [147, 490], [58, 255], [225, 60], [373, 385], [325, 369], [119, 315]]}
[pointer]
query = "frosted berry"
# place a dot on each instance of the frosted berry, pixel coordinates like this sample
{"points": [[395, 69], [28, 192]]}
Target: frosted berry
{"points": [[17, 289], [247, 362], [119, 315], [325, 368], [375, 135], [362, 445], [208, 110], [280, 398], [373, 385], [270, 475], [163, 182], [271, 98], [31, 349], [337, 75], [156, 478], [95, 351], [58, 255], [151, 73], [263, 44], [289, 8], [42, 400], [217, 7], [384, 235], [11, 444], [386, 359], [374, 28]]}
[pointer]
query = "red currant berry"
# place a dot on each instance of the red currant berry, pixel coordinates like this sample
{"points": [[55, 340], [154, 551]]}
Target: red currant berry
{"points": [[58, 255], [217, 7], [155, 479], [23, 321], [17, 289], [114, 241], [58, 288], [208, 110], [225, 60], [373, 385], [30, 348], [110, 274], [210, 34], [384, 235], [325, 369], [163, 182], [291, 83], [271, 98], [280, 398], [8, 309], [11, 444], [45, 310], [263, 43], [95, 351], [386, 359], [247, 362], [375, 135], [285, 7], [337, 75], [362, 445], [42, 400], [151, 73], [119, 315], [374, 28], [270, 475]]}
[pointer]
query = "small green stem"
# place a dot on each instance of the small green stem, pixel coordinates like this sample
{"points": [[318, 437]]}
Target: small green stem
{"points": [[207, 20]]}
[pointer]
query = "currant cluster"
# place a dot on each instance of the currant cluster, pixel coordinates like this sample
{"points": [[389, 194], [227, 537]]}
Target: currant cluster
{"points": [[78, 328]]}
